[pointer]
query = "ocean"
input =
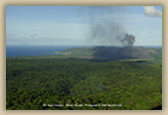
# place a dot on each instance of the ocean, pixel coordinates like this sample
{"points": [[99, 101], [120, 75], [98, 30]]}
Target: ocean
{"points": [[12, 51]]}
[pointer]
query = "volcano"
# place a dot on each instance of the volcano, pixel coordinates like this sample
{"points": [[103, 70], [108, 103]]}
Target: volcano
{"points": [[113, 53], [128, 52]]}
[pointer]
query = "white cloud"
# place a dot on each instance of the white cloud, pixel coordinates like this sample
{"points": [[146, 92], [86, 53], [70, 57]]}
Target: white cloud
{"points": [[25, 36], [151, 11]]}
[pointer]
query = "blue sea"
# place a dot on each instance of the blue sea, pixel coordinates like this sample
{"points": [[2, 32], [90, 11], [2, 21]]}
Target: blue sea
{"points": [[12, 51]]}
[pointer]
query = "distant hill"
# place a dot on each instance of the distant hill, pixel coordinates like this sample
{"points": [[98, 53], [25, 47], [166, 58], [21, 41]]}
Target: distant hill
{"points": [[114, 53]]}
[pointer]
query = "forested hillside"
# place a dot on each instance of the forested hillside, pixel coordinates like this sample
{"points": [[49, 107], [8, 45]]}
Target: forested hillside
{"points": [[33, 82]]}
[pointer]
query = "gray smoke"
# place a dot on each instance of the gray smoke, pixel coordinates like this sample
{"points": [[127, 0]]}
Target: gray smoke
{"points": [[130, 39], [106, 28]]}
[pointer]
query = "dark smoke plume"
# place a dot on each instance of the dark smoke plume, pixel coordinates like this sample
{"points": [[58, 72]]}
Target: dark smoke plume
{"points": [[130, 39], [106, 28]]}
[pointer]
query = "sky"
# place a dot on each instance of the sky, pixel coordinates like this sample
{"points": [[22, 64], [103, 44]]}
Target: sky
{"points": [[83, 25]]}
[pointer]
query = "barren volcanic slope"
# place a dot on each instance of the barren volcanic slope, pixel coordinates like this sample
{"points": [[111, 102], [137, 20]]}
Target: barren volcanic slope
{"points": [[121, 53], [114, 53]]}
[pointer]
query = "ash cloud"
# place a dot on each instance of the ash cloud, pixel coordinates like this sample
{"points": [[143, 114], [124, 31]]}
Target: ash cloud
{"points": [[107, 27], [130, 39]]}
